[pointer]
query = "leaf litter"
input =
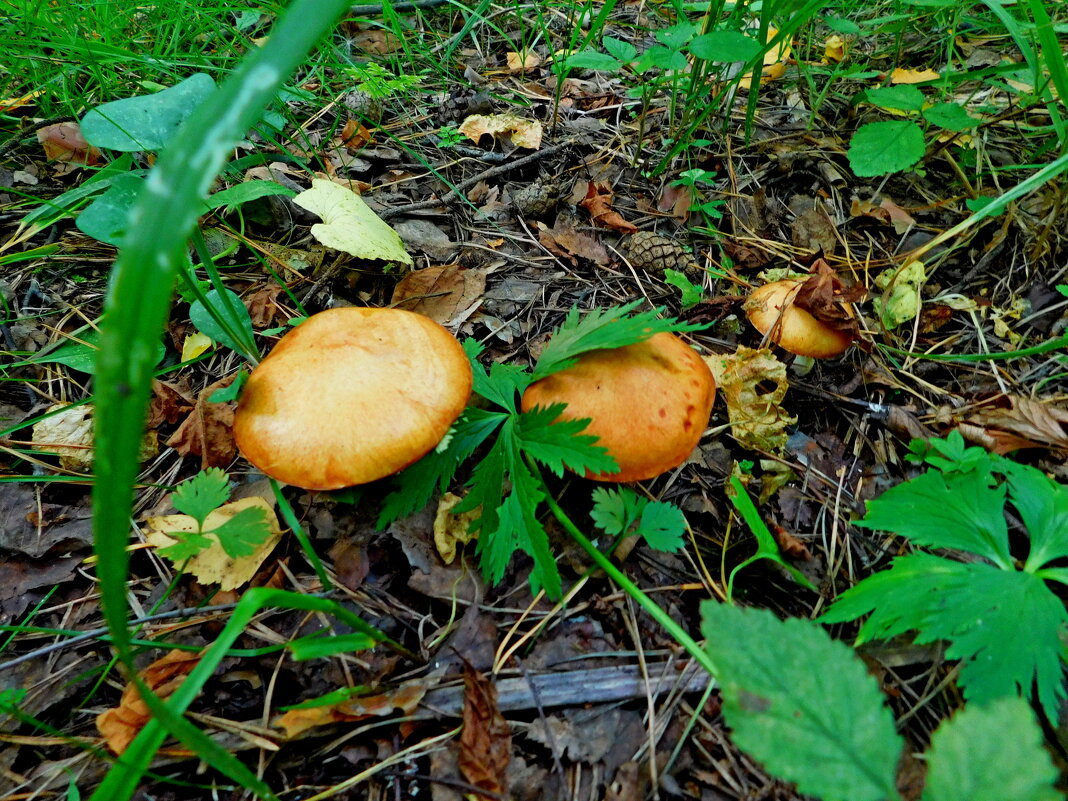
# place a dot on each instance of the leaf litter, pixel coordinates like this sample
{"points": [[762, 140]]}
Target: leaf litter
{"points": [[840, 432]]}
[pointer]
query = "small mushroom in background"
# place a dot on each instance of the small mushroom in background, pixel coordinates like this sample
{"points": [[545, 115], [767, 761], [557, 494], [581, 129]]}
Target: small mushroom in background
{"points": [[350, 396], [774, 313], [648, 403]]}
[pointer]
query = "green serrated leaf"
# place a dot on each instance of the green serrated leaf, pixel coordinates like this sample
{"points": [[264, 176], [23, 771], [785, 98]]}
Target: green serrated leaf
{"points": [[615, 510], [1043, 507], [961, 511], [202, 494], [562, 443], [663, 526], [879, 148], [1005, 626], [822, 724], [990, 753], [414, 486], [242, 533], [903, 97], [486, 489], [599, 329], [187, 545]]}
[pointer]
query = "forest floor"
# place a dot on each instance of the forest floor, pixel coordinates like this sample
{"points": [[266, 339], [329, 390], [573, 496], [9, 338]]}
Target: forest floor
{"points": [[509, 231]]}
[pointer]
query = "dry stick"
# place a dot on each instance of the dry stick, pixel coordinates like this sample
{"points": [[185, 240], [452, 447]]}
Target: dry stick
{"points": [[492, 172], [407, 5]]}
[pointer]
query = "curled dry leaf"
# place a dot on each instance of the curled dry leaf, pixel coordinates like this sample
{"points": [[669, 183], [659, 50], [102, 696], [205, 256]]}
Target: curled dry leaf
{"points": [[208, 430], [1019, 423], [825, 297], [69, 435], [901, 75], [64, 142], [444, 294], [486, 740], [450, 529], [403, 699], [519, 131], [119, 725], [522, 62], [213, 565], [754, 384], [564, 241], [598, 202]]}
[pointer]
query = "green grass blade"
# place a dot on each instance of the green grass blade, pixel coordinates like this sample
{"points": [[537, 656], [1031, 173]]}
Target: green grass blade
{"points": [[165, 214]]}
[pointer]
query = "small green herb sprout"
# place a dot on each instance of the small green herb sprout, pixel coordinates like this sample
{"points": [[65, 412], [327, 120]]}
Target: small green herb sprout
{"points": [[623, 512], [997, 613], [199, 497], [506, 484]]}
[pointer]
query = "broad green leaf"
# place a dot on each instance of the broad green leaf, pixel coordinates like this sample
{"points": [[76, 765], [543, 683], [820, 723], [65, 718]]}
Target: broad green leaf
{"points": [[79, 352], [592, 60], [879, 148], [234, 196], [958, 511], [665, 58], [802, 704], [202, 494], [232, 392], [951, 116], [990, 753], [230, 320], [624, 51], [349, 224], [562, 443], [724, 46], [677, 35], [1043, 507], [1005, 626], [903, 97], [598, 329], [146, 122], [106, 218]]}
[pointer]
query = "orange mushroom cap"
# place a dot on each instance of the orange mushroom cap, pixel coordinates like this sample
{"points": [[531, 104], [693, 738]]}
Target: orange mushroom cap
{"points": [[772, 312], [350, 396], [648, 403]]}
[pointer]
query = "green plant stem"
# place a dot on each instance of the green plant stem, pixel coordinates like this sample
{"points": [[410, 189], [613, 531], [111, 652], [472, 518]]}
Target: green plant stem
{"points": [[693, 648], [298, 531]]}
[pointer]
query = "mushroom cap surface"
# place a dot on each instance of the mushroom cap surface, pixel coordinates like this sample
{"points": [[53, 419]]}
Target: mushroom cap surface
{"points": [[351, 395], [648, 403], [770, 308]]}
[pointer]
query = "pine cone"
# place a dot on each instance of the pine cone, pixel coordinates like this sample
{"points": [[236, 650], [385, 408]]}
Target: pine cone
{"points": [[364, 104], [655, 253], [535, 199]]}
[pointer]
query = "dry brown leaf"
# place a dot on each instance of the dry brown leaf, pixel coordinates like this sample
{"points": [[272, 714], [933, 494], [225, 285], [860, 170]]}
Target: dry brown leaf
{"points": [[825, 297], [1023, 423], [64, 142], [450, 529], [208, 430], [676, 202], [813, 230], [263, 305], [354, 136], [519, 131], [598, 202], [486, 740], [564, 241], [170, 402], [68, 434], [520, 63], [757, 417], [404, 699], [119, 725], [442, 293], [899, 218], [213, 565]]}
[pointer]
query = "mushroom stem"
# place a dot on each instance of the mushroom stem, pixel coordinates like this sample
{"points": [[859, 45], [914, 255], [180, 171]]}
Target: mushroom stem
{"points": [[681, 636]]}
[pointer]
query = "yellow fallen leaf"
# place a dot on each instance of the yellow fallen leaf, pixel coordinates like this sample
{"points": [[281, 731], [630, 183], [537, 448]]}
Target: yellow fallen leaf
{"points": [[521, 132], [912, 76], [757, 417], [451, 530], [194, 345], [520, 63], [68, 434], [349, 224], [834, 48], [213, 565]]}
